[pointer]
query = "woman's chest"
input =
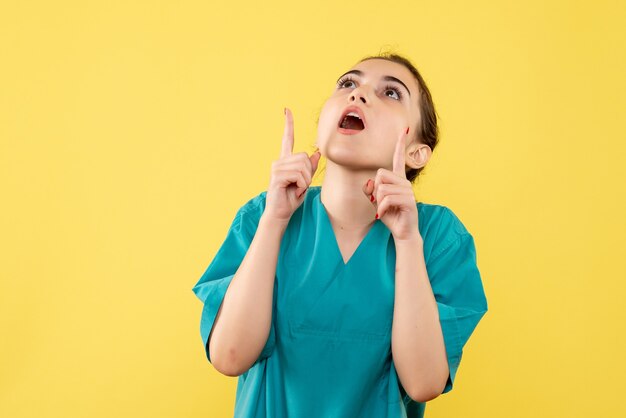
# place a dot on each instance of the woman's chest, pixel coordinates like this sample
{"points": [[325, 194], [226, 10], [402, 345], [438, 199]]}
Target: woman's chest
{"points": [[347, 243], [319, 294]]}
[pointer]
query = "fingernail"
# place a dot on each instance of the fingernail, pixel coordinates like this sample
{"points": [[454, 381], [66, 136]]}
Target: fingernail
{"points": [[376, 216], [372, 198]]}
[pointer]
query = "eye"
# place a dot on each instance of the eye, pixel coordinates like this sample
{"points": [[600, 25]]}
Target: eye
{"points": [[394, 89], [344, 80], [349, 80]]}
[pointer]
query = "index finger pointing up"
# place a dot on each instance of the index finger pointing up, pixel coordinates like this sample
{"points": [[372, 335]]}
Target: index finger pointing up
{"points": [[398, 156], [287, 146]]}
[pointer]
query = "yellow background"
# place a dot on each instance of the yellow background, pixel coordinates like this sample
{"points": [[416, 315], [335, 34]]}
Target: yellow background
{"points": [[131, 132]]}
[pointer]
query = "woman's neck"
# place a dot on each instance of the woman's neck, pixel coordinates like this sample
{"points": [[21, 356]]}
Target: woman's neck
{"points": [[342, 195]]}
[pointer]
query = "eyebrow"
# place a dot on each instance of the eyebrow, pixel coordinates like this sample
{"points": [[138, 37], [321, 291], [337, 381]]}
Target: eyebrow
{"points": [[386, 78]]}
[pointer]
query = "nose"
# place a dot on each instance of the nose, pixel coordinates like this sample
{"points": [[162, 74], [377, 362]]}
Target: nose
{"points": [[359, 94]]}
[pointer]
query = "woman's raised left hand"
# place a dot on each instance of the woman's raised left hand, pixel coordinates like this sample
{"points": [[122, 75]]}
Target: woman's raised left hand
{"points": [[392, 195]]}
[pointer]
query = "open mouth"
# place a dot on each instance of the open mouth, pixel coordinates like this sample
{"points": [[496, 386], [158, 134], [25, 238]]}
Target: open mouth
{"points": [[352, 121]]}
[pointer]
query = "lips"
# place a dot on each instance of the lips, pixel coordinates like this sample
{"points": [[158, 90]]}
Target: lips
{"points": [[353, 109]]}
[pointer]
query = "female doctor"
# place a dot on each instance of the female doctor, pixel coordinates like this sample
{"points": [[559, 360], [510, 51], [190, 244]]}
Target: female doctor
{"points": [[349, 299]]}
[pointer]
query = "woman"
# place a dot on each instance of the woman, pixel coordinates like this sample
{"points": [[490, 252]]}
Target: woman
{"points": [[350, 299]]}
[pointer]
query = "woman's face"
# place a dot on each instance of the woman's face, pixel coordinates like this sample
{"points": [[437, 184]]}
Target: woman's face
{"points": [[389, 107]]}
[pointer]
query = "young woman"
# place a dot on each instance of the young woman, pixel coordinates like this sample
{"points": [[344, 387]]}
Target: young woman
{"points": [[351, 299]]}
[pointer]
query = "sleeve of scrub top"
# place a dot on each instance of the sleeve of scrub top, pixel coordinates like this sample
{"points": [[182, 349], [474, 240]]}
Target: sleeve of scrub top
{"points": [[458, 290], [212, 286]]}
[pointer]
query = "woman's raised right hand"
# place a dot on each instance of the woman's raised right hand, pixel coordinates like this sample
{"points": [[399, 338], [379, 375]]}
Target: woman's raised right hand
{"points": [[290, 177]]}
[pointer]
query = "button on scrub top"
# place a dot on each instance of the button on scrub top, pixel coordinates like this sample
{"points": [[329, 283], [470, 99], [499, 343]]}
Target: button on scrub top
{"points": [[328, 353]]}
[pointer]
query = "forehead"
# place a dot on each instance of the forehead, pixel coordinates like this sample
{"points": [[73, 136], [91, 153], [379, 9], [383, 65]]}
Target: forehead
{"points": [[378, 68]]}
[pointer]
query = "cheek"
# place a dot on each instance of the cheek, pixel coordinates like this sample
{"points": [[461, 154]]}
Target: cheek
{"points": [[323, 128], [324, 118], [326, 122], [388, 126]]}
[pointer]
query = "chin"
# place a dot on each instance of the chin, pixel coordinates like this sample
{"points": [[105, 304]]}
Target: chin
{"points": [[346, 156]]}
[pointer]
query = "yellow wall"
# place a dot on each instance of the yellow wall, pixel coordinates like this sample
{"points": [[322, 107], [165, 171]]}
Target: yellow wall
{"points": [[130, 132]]}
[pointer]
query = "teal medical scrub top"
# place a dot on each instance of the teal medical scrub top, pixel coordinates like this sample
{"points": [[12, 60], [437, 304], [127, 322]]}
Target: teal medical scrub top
{"points": [[328, 353]]}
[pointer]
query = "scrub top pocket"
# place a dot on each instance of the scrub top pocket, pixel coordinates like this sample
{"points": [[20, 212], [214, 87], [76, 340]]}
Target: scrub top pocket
{"points": [[356, 305]]}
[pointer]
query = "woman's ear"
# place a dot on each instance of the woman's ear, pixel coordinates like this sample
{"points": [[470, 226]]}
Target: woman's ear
{"points": [[417, 155]]}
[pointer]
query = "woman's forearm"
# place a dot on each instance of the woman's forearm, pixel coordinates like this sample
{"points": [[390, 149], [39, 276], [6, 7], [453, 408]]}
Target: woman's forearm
{"points": [[417, 342], [243, 321]]}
